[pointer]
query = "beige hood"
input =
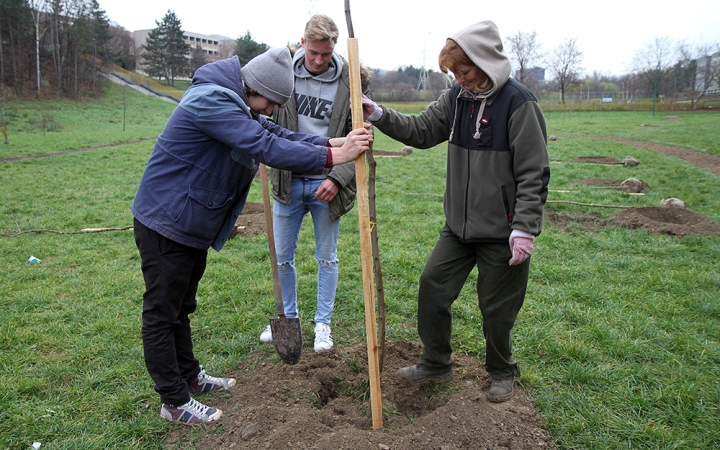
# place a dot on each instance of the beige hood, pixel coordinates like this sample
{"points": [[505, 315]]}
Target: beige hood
{"points": [[481, 42]]}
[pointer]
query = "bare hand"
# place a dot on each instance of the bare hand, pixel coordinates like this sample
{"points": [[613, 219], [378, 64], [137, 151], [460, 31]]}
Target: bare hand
{"points": [[368, 126], [327, 191], [356, 143]]}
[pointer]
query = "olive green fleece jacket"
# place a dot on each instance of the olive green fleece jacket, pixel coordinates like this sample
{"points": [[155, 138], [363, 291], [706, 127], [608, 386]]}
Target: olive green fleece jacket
{"points": [[497, 161], [340, 125]]}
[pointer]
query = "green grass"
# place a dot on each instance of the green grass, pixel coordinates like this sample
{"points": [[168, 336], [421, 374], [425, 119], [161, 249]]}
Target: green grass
{"points": [[618, 342]]}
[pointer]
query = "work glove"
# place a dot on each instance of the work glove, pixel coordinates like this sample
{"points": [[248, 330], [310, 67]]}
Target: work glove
{"points": [[371, 110], [521, 245]]}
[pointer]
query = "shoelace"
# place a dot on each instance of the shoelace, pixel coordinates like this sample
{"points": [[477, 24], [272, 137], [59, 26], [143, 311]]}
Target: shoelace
{"points": [[196, 408], [324, 334], [205, 378]]}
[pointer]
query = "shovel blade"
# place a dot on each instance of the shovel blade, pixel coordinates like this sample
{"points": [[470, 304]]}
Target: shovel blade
{"points": [[287, 337]]}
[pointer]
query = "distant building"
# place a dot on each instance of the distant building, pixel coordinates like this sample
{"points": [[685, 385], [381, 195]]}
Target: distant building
{"points": [[536, 74], [209, 44], [706, 74]]}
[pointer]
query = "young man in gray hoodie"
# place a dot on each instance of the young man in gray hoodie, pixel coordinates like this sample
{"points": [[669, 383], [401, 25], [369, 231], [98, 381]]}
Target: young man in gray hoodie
{"points": [[320, 105], [496, 186]]}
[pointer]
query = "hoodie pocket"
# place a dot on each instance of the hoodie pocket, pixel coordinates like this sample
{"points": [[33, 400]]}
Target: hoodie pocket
{"points": [[203, 212]]}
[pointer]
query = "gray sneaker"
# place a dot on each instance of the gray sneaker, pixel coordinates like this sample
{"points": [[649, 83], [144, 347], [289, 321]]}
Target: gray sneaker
{"points": [[420, 373], [501, 390]]}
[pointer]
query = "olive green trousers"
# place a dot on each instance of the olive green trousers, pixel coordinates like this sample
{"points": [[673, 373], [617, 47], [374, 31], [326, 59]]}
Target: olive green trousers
{"points": [[500, 289]]}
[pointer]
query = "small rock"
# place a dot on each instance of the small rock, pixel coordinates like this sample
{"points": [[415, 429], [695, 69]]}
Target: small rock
{"points": [[552, 138], [632, 185], [248, 432], [629, 161], [673, 203], [383, 447]]}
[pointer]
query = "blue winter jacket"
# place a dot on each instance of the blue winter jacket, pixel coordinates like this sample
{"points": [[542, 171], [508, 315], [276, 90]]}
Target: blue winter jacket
{"points": [[199, 174]]}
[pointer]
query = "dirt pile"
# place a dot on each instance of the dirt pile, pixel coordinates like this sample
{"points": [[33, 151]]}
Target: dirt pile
{"points": [[323, 403]]}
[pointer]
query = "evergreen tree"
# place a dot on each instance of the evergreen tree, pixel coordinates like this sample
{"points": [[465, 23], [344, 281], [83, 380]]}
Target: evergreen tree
{"points": [[247, 48], [165, 50], [100, 31]]}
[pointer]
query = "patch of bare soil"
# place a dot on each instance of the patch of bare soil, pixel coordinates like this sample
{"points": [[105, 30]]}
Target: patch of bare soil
{"points": [[678, 222], [658, 220], [596, 160], [601, 182], [320, 403], [251, 220], [390, 154]]}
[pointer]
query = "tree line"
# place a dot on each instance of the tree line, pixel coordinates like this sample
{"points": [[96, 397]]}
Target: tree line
{"points": [[52, 47], [660, 68], [56, 47]]}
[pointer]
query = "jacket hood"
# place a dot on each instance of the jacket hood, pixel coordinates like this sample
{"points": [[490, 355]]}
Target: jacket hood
{"points": [[225, 73], [481, 42], [332, 74]]}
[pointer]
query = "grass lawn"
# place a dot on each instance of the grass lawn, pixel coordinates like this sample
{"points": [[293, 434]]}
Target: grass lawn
{"points": [[618, 341]]}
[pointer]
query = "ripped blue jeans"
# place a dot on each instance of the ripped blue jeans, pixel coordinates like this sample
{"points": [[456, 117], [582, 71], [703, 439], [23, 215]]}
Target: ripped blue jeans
{"points": [[287, 220]]}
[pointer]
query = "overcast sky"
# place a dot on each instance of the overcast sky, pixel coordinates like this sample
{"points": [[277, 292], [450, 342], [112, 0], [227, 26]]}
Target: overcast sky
{"points": [[394, 33]]}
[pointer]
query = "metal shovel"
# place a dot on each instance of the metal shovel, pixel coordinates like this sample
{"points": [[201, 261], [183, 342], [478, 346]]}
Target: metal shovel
{"points": [[286, 333]]}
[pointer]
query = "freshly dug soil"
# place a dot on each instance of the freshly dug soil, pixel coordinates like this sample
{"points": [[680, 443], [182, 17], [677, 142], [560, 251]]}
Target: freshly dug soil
{"points": [[323, 403]]}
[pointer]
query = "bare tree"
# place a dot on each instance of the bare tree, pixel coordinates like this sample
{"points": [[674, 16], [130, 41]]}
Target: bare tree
{"points": [[121, 47], [525, 52], [198, 59], [437, 82], [564, 63], [227, 48], [37, 8], [654, 61]]}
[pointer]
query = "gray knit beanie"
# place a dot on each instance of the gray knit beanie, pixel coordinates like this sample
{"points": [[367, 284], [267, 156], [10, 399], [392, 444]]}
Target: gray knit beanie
{"points": [[271, 75]]}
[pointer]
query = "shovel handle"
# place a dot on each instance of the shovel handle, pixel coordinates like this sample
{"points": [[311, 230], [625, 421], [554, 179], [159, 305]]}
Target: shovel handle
{"points": [[277, 290]]}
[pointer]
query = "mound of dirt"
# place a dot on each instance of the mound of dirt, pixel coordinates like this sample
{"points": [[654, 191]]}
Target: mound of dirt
{"points": [[628, 184], [670, 221], [596, 160], [601, 182], [666, 220], [323, 403]]}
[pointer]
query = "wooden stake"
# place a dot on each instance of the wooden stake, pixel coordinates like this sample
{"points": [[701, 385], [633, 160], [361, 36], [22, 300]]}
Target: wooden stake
{"points": [[365, 245]]}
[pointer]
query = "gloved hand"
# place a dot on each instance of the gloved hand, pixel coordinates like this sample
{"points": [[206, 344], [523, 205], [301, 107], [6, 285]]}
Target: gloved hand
{"points": [[521, 245], [371, 110]]}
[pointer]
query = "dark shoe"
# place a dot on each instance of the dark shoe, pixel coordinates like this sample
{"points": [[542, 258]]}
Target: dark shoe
{"points": [[206, 383], [420, 374], [501, 390]]}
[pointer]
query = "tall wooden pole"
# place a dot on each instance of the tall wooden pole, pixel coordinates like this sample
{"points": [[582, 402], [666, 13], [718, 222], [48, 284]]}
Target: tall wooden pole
{"points": [[365, 244], [361, 177]]}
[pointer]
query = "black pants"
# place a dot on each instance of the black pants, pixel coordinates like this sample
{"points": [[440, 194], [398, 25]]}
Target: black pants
{"points": [[172, 272]]}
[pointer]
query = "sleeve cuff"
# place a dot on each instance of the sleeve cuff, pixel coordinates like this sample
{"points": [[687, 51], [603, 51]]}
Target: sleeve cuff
{"points": [[329, 160]]}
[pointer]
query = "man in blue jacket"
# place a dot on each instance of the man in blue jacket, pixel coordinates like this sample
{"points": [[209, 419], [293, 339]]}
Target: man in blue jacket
{"points": [[191, 193]]}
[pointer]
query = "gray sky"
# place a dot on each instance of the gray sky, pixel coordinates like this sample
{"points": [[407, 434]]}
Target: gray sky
{"points": [[392, 33]]}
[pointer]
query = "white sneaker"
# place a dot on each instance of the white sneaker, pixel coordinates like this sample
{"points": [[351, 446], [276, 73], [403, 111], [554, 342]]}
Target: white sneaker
{"points": [[266, 335], [191, 413], [323, 339]]}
